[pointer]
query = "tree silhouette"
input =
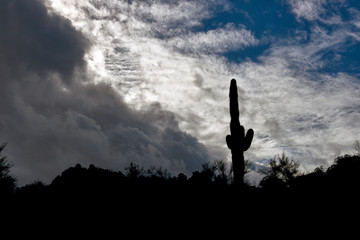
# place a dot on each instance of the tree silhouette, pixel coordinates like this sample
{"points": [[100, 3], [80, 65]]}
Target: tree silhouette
{"points": [[281, 171], [159, 172], [356, 146], [206, 176], [237, 141], [344, 173], [223, 174], [7, 182], [134, 171]]}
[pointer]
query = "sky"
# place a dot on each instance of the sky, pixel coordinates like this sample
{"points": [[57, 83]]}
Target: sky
{"points": [[109, 82]]}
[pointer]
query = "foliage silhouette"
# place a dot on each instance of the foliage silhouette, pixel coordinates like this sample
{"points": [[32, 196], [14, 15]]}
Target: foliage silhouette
{"points": [[7, 182], [280, 173], [343, 175], [223, 175], [134, 171], [237, 141], [206, 176], [283, 173], [356, 146]]}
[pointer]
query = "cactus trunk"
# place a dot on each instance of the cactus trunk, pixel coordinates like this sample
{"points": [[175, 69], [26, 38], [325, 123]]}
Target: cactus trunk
{"points": [[237, 142]]}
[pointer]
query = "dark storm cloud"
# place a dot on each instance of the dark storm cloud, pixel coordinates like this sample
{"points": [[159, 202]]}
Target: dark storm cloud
{"points": [[53, 116], [33, 40]]}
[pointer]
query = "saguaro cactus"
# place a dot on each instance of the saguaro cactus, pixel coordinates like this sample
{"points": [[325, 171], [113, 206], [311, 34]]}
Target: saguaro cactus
{"points": [[237, 142]]}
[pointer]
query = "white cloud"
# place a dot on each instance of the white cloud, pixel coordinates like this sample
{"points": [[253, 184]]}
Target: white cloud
{"points": [[355, 14], [317, 10], [308, 9], [215, 41]]}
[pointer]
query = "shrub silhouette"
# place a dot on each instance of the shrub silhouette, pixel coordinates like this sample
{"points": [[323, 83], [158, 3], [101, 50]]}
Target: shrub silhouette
{"points": [[237, 141], [206, 176]]}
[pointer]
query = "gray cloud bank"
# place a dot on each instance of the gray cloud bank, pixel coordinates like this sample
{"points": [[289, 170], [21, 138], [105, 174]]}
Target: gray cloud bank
{"points": [[53, 115]]}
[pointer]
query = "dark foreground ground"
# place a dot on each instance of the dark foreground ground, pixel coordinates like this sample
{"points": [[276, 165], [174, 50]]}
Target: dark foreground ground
{"points": [[93, 198]]}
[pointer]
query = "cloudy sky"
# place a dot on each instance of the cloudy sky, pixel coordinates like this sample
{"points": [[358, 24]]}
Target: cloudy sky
{"points": [[109, 82]]}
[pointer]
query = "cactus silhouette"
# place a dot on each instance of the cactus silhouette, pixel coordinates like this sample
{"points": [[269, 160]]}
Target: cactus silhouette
{"points": [[237, 142]]}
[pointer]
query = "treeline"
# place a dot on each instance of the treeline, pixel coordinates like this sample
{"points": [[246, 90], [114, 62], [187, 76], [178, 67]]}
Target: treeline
{"points": [[146, 197], [94, 181], [281, 176]]}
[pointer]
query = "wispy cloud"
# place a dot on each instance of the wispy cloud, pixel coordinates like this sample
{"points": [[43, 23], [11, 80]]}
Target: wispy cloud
{"points": [[307, 9], [309, 55], [305, 106], [214, 41], [317, 10]]}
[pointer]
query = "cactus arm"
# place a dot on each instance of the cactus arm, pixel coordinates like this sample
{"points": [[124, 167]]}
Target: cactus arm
{"points": [[228, 141], [248, 139]]}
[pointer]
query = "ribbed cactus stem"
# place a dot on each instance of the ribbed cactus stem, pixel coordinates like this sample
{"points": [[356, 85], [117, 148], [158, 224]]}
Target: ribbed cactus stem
{"points": [[237, 142]]}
